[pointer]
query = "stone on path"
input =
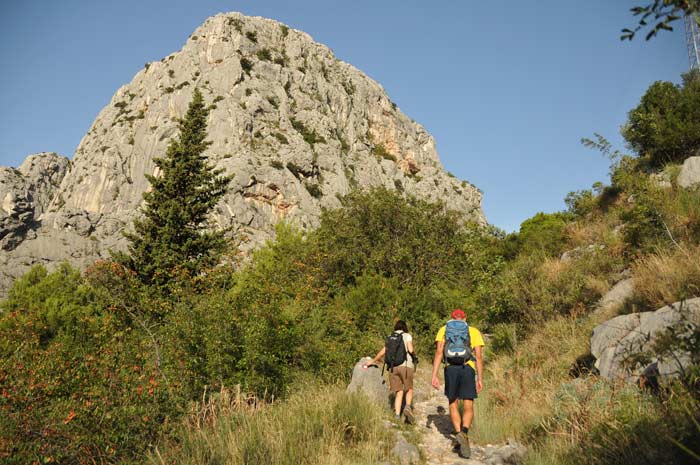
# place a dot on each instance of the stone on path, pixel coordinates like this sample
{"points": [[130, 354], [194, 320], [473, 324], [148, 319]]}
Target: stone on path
{"points": [[370, 382]]}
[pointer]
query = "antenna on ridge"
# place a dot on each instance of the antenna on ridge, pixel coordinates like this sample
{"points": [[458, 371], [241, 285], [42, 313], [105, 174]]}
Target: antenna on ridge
{"points": [[692, 40]]}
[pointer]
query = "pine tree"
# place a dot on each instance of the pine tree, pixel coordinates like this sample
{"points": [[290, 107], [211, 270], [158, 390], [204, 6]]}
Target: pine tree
{"points": [[172, 237]]}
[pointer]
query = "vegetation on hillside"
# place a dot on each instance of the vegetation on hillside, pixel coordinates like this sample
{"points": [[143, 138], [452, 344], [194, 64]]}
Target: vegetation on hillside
{"points": [[103, 366]]}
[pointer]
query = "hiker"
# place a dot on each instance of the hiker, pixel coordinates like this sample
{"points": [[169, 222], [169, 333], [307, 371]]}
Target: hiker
{"points": [[460, 347], [399, 358]]}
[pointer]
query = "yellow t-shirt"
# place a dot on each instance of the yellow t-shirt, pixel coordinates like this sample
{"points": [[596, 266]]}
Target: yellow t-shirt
{"points": [[476, 340]]}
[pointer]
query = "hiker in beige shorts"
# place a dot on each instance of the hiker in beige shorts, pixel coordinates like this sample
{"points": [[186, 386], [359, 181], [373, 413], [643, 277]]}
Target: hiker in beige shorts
{"points": [[400, 375]]}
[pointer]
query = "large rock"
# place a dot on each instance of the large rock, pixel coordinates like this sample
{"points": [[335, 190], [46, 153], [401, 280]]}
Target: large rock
{"points": [[616, 297], [370, 382], [617, 340], [25, 193], [689, 177], [296, 126]]}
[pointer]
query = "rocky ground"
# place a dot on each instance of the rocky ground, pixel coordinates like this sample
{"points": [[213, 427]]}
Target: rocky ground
{"points": [[433, 424]]}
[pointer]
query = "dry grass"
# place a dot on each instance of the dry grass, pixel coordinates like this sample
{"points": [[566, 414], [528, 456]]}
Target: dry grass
{"points": [[319, 425], [600, 230], [666, 277], [521, 387]]}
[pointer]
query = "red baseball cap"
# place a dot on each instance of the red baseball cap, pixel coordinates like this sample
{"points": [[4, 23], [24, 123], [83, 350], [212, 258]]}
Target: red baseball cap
{"points": [[459, 313]]}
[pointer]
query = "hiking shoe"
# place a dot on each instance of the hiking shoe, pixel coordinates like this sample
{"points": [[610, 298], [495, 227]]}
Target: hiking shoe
{"points": [[464, 450], [455, 444], [408, 414]]}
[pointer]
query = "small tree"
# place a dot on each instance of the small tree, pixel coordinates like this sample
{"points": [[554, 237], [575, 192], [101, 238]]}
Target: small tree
{"points": [[665, 126], [173, 235]]}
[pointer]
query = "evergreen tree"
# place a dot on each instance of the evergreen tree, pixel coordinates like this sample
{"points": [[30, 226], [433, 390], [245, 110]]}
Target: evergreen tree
{"points": [[172, 236]]}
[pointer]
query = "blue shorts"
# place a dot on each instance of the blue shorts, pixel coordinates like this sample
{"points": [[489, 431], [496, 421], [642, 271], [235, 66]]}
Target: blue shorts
{"points": [[460, 382]]}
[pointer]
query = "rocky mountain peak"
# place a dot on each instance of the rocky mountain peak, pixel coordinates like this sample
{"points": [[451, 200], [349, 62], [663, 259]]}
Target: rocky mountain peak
{"points": [[297, 127]]}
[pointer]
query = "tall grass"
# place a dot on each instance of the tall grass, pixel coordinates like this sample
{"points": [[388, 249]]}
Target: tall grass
{"points": [[318, 425], [666, 277]]}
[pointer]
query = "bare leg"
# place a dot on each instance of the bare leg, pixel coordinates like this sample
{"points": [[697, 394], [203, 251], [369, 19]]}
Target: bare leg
{"points": [[454, 416], [409, 397], [398, 401], [468, 415]]}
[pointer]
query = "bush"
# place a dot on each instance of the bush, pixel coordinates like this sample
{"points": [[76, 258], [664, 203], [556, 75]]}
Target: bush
{"points": [[309, 135], [79, 384], [380, 151], [665, 126], [544, 232], [247, 67], [314, 190], [264, 54]]}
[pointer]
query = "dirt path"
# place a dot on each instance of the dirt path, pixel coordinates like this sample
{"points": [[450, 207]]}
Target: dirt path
{"points": [[433, 422]]}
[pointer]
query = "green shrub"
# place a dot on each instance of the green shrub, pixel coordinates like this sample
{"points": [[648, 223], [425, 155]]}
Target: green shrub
{"points": [[281, 138], [665, 126], [264, 54], [380, 151], [544, 232], [246, 65], [309, 135], [236, 23], [92, 391], [252, 36], [314, 190]]}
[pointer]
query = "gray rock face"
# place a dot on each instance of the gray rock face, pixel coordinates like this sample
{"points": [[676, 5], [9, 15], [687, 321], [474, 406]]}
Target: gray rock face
{"points": [[689, 177], [614, 341], [296, 127], [370, 382], [25, 193]]}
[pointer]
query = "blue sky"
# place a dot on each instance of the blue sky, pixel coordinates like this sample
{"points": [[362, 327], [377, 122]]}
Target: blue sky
{"points": [[506, 88]]}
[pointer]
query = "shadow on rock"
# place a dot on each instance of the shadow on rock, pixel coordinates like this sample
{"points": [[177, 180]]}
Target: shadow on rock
{"points": [[442, 422]]}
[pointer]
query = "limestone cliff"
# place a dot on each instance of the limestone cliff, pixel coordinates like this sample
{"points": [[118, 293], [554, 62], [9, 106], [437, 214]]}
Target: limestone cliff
{"points": [[297, 127]]}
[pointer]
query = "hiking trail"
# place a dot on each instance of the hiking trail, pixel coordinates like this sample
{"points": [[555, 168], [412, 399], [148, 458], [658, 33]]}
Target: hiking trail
{"points": [[432, 421]]}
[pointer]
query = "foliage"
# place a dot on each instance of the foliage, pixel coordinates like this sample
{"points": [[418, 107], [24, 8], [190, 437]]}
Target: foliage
{"points": [[665, 126], [380, 232], [318, 424], [264, 54], [309, 135], [664, 12], [77, 381], [246, 66], [381, 152], [172, 236], [544, 232]]}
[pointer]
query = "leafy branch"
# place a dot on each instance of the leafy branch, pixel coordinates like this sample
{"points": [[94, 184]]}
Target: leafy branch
{"points": [[660, 14]]}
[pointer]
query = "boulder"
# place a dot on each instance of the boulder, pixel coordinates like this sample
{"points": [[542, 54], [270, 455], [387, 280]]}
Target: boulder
{"points": [[511, 453], [580, 251], [689, 177], [616, 297], [405, 452], [617, 340], [370, 382]]}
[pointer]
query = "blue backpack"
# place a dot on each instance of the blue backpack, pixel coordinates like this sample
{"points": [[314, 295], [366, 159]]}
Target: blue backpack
{"points": [[458, 350]]}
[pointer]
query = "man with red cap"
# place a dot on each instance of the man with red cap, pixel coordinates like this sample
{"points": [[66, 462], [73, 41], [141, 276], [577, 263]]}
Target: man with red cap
{"points": [[460, 347]]}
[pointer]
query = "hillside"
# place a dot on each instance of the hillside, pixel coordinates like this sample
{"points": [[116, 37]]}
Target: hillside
{"points": [[297, 127]]}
